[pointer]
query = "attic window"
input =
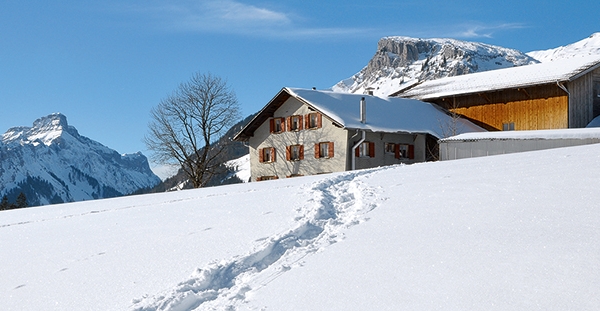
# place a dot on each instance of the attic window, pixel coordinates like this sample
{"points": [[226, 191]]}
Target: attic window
{"points": [[313, 120], [276, 125], [294, 123]]}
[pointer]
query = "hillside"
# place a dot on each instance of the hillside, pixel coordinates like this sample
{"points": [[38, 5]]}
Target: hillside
{"points": [[50, 162], [587, 46], [510, 232]]}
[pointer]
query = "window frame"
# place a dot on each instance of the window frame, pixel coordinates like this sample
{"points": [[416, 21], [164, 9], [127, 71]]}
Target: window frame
{"points": [[319, 150], [264, 178], [365, 150], [290, 152], [313, 121], [294, 120], [408, 154], [262, 152], [273, 125]]}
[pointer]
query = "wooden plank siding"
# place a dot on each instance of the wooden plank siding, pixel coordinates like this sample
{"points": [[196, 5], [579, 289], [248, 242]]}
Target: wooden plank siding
{"points": [[532, 108], [581, 101]]}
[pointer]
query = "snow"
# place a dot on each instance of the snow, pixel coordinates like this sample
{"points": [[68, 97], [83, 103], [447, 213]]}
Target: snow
{"points": [[509, 232], [575, 133], [389, 114], [522, 76], [399, 62], [587, 46], [241, 167]]}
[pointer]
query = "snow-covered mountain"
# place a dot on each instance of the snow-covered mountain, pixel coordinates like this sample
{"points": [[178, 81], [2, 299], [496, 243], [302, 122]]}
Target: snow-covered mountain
{"points": [[402, 61], [587, 46], [52, 163]]}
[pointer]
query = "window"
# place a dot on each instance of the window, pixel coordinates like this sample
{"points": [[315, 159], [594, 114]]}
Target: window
{"points": [[366, 149], [266, 155], [261, 178], [295, 153], [404, 151], [508, 126], [390, 148], [294, 175], [324, 150], [294, 123], [313, 120], [276, 125]]}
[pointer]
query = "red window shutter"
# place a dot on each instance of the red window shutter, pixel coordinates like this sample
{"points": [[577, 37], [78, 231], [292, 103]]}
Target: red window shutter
{"points": [[300, 123], [317, 150], [397, 151], [357, 151], [319, 120], [301, 152], [259, 178], [272, 125], [331, 149], [288, 153], [260, 155], [371, 149], [411, 151], [273, 158], [307, 121], [288, 122]]}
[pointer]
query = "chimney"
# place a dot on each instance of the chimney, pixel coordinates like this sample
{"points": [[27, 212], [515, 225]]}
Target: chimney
{"points": [[363, 111]]}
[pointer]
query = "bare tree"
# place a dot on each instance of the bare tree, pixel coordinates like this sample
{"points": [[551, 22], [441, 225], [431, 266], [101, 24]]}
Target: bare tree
{"points": [[186, 126]]}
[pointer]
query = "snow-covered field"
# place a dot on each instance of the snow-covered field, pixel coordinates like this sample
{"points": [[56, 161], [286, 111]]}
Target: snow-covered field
{"points": [[510, 232]]}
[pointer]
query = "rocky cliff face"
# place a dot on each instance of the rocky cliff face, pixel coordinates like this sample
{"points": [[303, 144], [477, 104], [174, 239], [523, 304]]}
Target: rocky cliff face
{"points": [[402, 61], [52, 163]]}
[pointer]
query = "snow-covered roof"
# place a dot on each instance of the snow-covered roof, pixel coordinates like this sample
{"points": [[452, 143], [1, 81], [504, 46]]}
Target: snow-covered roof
{"points": [[515, 77], [579, 133], [389, 114]]}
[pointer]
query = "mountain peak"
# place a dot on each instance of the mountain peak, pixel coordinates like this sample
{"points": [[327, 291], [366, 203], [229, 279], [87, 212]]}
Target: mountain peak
{"points": [[45, 130], [51, 122], [402, 61], [51, 163]]}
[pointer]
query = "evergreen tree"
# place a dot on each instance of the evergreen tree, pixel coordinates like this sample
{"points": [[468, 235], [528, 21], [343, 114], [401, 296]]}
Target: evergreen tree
{"points": [[4, 203], [21, 201]]}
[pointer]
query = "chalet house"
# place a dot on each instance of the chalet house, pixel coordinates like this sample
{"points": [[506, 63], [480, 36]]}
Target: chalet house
{"points": [[553, 95], [306, 132]]}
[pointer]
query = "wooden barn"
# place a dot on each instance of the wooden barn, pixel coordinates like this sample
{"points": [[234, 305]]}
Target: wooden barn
{"points": [[552, 95]]}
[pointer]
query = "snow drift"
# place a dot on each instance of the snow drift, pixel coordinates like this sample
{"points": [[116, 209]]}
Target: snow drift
{"points": [[514, 232]]}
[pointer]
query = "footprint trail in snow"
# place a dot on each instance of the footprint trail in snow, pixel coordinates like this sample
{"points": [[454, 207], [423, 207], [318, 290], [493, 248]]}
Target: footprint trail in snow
{"points": [[336, 204]]}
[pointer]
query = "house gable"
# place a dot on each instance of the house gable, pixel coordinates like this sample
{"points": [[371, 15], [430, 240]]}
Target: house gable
{"points": [[294, 148]]}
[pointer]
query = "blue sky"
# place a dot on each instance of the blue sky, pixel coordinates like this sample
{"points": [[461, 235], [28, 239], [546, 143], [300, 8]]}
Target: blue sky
{"points": [[105, 64]]}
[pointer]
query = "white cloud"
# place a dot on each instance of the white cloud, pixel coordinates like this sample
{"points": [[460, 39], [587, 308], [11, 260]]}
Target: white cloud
{"points": [[234, 17], [484, 31]]}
